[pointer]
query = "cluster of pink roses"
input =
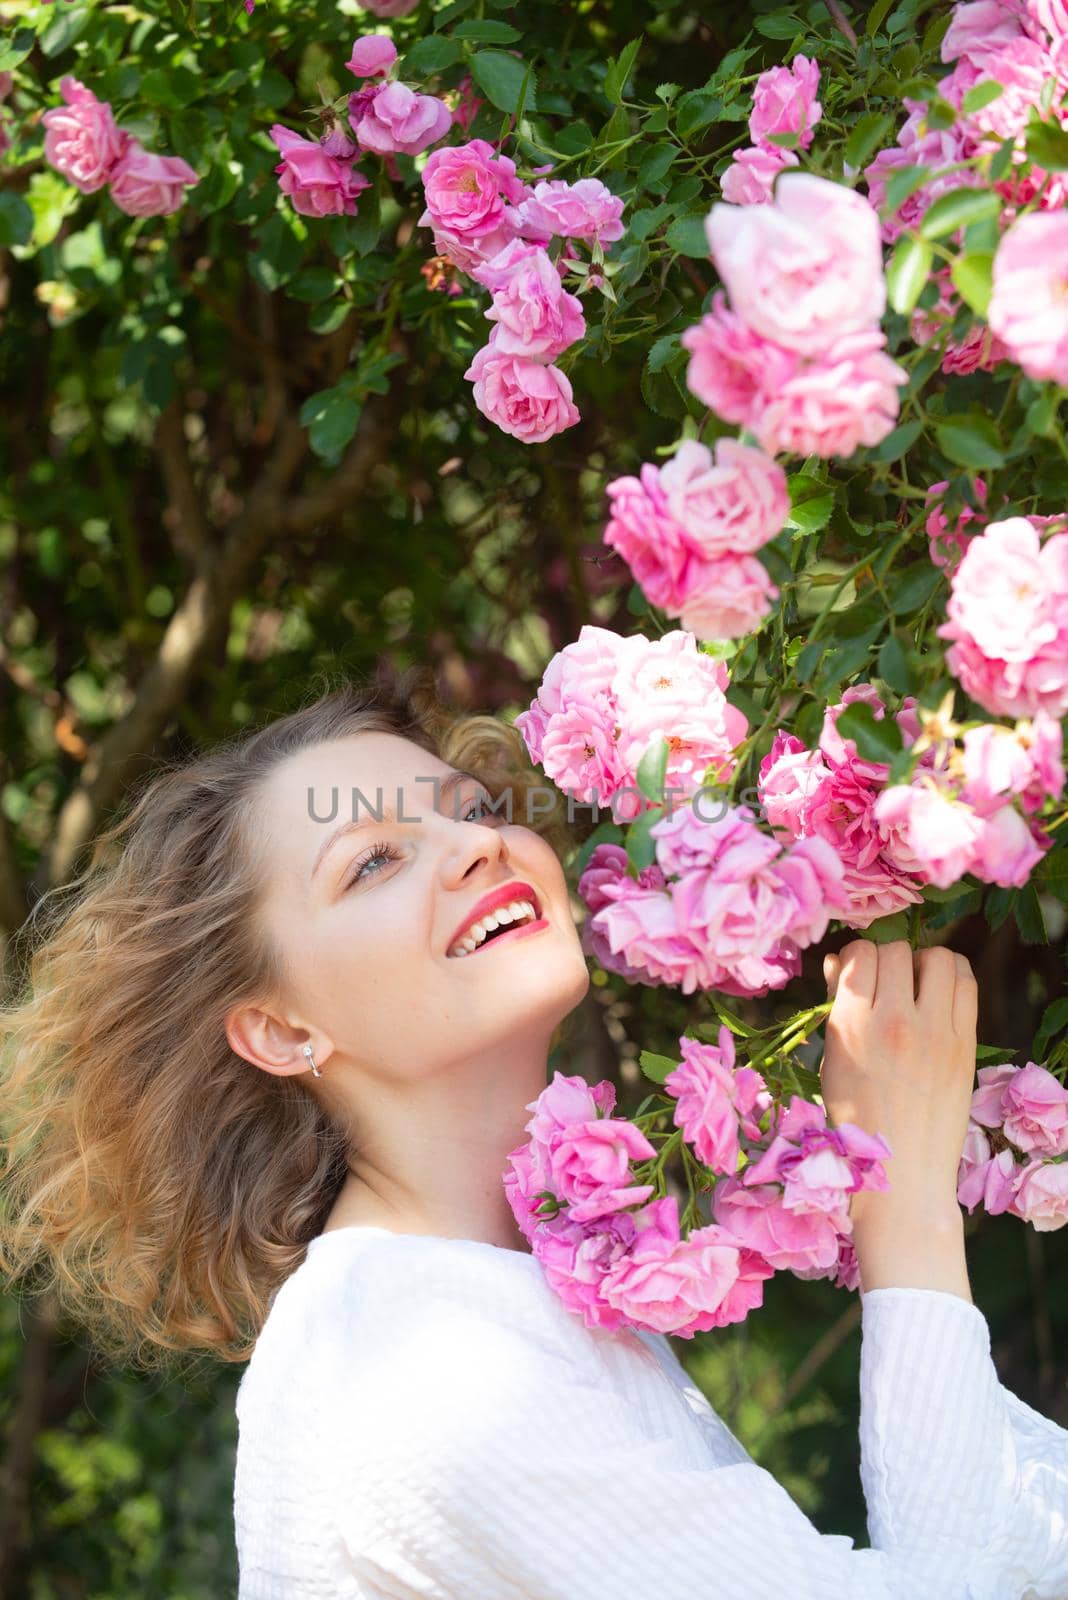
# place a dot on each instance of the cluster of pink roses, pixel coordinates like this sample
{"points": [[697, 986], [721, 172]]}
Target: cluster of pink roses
{"points": [[688, 531], [618, 1259], [604, 698], [784, 102], [725, 906], [1016, 1152], [799, 357], [85, 144], [969, 810], [489, 224], [1021, 48], [385, 117]]}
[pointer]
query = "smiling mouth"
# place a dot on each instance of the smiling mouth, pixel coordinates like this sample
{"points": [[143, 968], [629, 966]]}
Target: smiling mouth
{"points": [[519, 913]]}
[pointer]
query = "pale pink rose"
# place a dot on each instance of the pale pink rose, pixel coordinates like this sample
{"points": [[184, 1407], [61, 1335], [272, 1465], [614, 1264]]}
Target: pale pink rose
{"points": [[144, 184], [1029, 303], [804, 269], [728, 503], [525, 398], [389, 8], [996, 764], [988, 1100], [1043, 739], [1007, 616], [919, 146], [1051, 15], [948, 545], [655, 546], [576, 1258], [979, 28], [590, 1167], [790, 1241], [337, 143], [372, 54], [468, 103], [1036, 1112], [565, 1101], [942, 833], [469, 191], [750, 178], [732, 369], [685, 1286], [1021, 66], [496, 271], [535, 315], [1008, 848], [581, 674], [983, 1178], [728, 597], [834, 405], [1041, 1196], [715, 1102], [784, 101], [82, 140], [586, 209], [319, 185], [469, 254], [398, 119]]}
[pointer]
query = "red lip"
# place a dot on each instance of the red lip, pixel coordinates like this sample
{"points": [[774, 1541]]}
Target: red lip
{"points": [[489, 902]]}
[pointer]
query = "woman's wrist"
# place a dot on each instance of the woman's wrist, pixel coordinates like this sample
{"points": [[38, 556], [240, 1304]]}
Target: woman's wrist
{"points": [[910, 1241]]}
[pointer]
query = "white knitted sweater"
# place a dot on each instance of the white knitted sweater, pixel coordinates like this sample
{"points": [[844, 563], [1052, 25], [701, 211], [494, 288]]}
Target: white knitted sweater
{"points": [[422, 1419]]}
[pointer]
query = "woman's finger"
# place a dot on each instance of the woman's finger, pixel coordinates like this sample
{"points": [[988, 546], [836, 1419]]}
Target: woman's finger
{"points": [[938, 976], [894, 982], [965, 997], [856, 977], [832, 968]]}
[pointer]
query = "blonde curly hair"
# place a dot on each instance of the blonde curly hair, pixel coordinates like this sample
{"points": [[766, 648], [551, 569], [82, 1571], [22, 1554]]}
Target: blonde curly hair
{"points": [[155, 1184]]}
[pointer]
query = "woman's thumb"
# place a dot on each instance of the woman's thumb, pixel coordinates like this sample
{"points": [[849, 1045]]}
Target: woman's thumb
{"points": [[831, 968]]}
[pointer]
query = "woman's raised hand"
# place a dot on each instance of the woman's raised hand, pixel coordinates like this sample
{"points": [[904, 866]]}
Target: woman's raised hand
{"points": [[899, 1059]]}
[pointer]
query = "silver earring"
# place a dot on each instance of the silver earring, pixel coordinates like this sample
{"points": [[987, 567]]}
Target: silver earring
{"points": [[306, 1049]]}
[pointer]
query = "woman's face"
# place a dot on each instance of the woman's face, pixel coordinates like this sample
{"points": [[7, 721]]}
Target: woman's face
{"points": [[366, 915]]}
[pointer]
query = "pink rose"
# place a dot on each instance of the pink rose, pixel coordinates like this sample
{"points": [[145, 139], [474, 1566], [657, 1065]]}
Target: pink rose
{"points": [[82, 140], [468, 103], [147, 185], [819, 1166], [727, 597], [985, 1179], [372, 54], [535, 315], [784, 101], [497, 271], [948, 545], [789, 777], [586, 209], [608, 864], [729, 503], [1036, 1111], [714, 1102], [398, 119], [1029, 303], [750, 178], [988, 1100], [1007, 616], [589, 1167], [1041, 1196], [469, 189], [790, 1241], [940, 833], [318, 184], [833, 405], [525, 398], [732, 369], [1008, 848], [804, 269]]}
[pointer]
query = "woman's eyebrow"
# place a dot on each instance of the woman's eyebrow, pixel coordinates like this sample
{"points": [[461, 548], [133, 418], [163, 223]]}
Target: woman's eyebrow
{"points": [[443, 788]]}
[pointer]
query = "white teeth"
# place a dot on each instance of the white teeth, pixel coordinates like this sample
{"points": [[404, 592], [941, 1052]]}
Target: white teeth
{"points": [[514, 911]]}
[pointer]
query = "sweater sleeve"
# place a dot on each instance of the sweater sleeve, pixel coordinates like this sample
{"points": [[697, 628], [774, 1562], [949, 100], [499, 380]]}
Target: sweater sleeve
{"points": [[482, 1460]]}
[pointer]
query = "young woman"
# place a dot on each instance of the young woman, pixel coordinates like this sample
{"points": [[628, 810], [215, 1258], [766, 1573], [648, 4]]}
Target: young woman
{"points": [[259, 1101]]}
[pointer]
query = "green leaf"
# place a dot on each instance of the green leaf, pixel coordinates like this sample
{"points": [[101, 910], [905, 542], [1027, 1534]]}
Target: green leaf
{"points": [[662, 351], [811, 503], [875, 741], [12, 54], [907, 272], [971, 441], [314, 283], [619, 70], [656, 1068], [973, 279], [696, 110], [487, 32], [432, 53], [1047, 146], [997, 906], [604, 833], [1054, 1020], [957, 209], [913, 587], [68, 26], [779, 25], [641, 846], [501, 78], [892, 664], [655, 164], [646, 220], [16, 219], [1029, 918], [652, 768], [51, 199], [980, 95], [331, 417], [687, 235], [894, 446], [866, 137], [876, 17]]}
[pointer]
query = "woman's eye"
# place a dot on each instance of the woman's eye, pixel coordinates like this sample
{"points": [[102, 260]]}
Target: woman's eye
{"points": [[377, 852]]}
